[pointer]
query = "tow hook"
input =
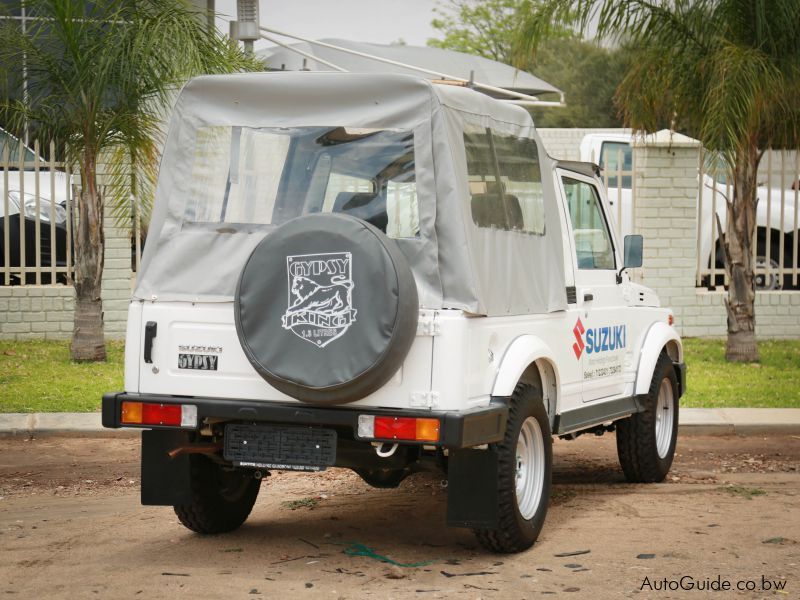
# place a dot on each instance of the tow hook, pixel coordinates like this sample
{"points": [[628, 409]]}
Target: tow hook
{"points": [[379, 450]]}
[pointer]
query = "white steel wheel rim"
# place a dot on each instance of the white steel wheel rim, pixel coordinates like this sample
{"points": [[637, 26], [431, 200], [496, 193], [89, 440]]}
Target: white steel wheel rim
{"points": [[665, 417], [762, 282], [529, 471]]}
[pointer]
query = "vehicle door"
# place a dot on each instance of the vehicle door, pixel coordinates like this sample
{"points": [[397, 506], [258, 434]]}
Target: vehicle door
{"points": [[601, 330]]}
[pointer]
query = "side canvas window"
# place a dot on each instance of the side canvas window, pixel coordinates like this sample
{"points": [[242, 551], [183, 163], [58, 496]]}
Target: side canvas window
{"points": [[516, 203], [592, 238]]}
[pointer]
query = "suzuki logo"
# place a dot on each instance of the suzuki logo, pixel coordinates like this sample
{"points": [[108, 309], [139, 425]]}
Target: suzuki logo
{"points": [[578, 346]]}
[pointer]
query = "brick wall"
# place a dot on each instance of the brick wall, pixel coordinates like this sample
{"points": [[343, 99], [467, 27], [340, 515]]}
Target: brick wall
{"points": [[30, 312], [116, 291], [777, 315], [666, 205]]}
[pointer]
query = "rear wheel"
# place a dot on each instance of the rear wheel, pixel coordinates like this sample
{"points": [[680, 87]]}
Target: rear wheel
{"points": [[646, 441], [221, 498], [525, 459]]}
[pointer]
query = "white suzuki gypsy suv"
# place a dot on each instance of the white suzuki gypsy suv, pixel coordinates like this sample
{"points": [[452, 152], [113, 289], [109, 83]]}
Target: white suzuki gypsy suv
{"points": [[385, 274]]}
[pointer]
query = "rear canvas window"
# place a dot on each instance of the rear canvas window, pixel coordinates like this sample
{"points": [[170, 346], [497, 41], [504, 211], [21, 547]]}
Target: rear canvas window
{"points": [[244, 177]]}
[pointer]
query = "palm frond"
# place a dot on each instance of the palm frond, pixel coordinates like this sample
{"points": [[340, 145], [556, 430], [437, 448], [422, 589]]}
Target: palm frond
{"points": [[727, 70]]}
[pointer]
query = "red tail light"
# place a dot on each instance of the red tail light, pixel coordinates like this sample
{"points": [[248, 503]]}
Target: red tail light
{"points": [[146, 413], [398, 428]]}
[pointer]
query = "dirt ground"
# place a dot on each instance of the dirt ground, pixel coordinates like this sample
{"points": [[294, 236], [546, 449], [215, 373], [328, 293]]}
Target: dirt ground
{"points": [[71, 527]]}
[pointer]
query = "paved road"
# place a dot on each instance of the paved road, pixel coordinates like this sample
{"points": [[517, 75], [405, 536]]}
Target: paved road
{"points": [[71, 527]]}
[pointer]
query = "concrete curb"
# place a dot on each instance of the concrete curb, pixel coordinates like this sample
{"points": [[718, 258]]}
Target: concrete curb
{"points": [[693, 421], [739, 421], [29, 424]]}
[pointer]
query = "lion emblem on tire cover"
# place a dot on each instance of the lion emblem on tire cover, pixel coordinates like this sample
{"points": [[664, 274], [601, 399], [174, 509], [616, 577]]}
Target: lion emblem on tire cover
{"points": [[320, 296]]}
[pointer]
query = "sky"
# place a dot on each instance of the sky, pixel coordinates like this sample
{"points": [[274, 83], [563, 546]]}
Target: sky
{"points": [[377, 21]]}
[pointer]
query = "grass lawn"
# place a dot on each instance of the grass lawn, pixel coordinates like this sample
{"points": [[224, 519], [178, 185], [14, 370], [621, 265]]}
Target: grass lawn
{"points": [[715, 383], [39, 377]]}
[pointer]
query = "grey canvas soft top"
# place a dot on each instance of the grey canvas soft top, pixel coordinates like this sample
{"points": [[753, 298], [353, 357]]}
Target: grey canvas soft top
{"points": [[247, 152]]}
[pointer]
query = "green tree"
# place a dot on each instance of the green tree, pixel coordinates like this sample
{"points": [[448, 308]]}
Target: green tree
{"points": [[481, 28], [729, 71], [587, 73], [101, 76]]}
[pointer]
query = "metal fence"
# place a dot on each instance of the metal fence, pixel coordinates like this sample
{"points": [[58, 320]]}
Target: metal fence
{"points": [[776, 248], [36, 215]]}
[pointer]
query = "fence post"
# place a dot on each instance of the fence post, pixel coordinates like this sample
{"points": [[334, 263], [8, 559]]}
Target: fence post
{"points": [[666, 215]]}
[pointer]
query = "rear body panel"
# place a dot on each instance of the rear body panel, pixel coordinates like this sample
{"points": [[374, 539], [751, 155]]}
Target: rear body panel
{"points": [[208, 330]]}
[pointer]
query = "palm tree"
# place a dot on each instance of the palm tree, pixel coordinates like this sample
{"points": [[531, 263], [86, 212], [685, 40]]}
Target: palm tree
{"points": [[100, 77], [728, 71]]}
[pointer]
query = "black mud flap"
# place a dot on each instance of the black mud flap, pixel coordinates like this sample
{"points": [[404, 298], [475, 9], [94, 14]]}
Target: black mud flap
{"points": [[472, 493], [165, 480]]}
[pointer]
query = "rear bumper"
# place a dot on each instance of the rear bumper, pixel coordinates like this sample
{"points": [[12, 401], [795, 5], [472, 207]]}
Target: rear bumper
{"points": [[458, 429]]}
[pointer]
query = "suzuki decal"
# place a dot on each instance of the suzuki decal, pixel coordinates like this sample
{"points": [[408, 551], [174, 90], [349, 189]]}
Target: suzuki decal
{"points": [[601, 346], [320, 296], [596, 340]]}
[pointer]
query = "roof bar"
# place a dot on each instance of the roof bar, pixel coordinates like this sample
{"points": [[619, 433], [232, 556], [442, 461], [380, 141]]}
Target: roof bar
{"points": [[530, 100], [538, 102], [304, 53]]}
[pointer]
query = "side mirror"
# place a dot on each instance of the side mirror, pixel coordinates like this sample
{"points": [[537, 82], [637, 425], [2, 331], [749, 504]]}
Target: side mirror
{"points": [[632, 258], [633, 251]]}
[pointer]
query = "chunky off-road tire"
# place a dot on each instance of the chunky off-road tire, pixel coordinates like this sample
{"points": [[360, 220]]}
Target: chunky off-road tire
{"points": [[526, 453], [383, 478], [221, 499], [646, 440]]}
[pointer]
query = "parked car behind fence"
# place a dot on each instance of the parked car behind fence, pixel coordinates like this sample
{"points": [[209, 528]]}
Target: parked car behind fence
{"points": [[35, 228]]}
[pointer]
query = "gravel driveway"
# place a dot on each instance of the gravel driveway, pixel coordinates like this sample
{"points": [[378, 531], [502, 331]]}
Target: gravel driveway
{"points": [[71, 527]]}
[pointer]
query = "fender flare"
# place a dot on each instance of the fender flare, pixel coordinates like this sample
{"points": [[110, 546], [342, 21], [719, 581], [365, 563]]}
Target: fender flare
{"points": [[522, 353], [657, 337]]}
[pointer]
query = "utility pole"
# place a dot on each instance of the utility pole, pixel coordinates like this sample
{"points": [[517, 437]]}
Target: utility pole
{"points": [[211, 12]]}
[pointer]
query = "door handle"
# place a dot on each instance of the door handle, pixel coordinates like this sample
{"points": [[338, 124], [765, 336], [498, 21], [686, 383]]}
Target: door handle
{"points": [[588, 296], [150, 331]]}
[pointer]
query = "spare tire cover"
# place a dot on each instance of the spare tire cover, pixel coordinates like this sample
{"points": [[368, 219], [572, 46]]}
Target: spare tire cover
{"points": [[326, 308]]}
